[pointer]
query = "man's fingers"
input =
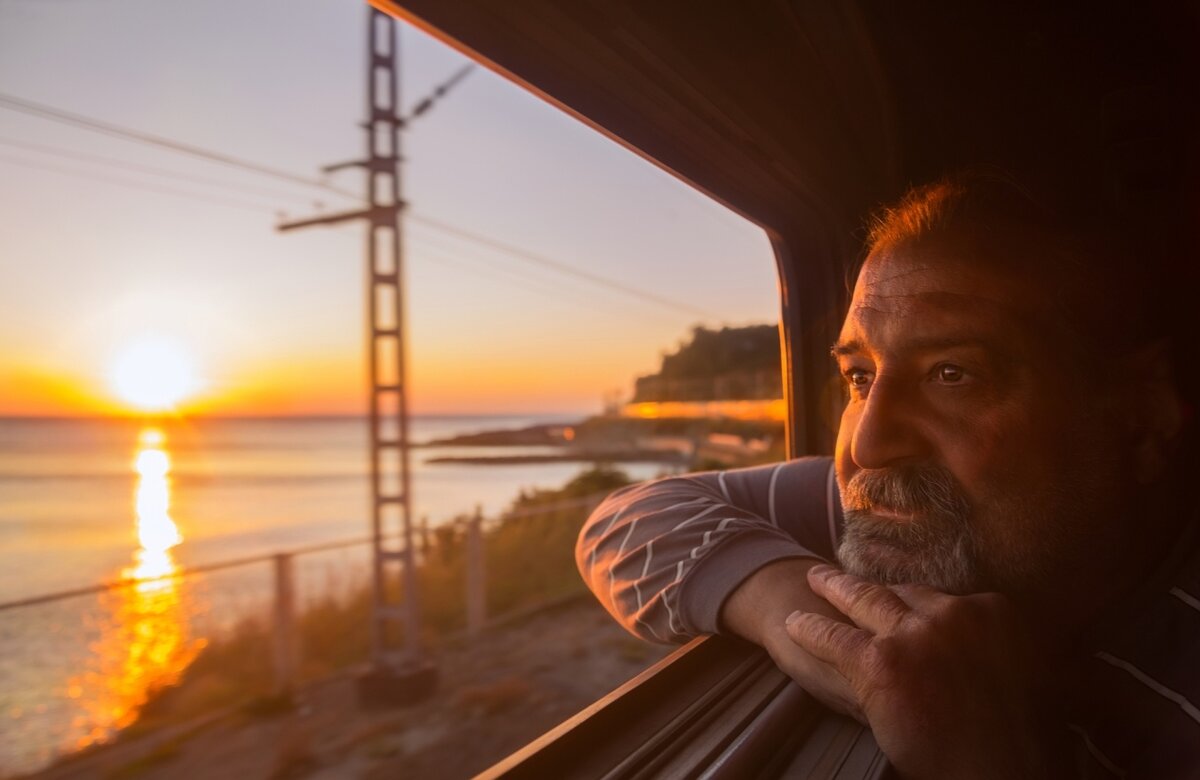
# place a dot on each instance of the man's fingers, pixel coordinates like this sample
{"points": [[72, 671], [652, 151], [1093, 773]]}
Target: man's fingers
{"points": [[821, 680], [919, 597], [838, 644], [870, 606]]}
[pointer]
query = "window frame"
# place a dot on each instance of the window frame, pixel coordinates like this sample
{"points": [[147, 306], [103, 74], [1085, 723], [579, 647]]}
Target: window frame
{"points": [[717, 707]]}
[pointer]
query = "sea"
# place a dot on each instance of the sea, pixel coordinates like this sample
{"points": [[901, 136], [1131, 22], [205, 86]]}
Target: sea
{"points": [[85, 501]]}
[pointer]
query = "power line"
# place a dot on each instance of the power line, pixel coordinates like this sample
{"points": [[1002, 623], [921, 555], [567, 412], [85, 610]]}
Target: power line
{"points": [[539, 286], [549, 282], [113, 162], [438, 254], [561, 267], [241, 204], [14, 103], [58, 115]]}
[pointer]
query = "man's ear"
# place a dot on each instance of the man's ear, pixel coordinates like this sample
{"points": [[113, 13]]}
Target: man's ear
{"points": [[1153, 407]]}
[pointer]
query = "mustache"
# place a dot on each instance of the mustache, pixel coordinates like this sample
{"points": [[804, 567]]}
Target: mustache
{"points": [[918, 490]]}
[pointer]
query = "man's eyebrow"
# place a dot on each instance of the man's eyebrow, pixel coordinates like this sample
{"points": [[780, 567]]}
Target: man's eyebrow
{"points": [[854, 346], [846, 348]]}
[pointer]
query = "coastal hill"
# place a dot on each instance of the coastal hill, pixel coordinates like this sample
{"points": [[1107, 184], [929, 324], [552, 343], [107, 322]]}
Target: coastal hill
{"points": [[715, 401], [715, 365]]}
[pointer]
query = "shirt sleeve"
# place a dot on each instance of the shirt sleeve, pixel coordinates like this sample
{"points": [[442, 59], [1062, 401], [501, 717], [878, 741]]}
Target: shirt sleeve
{"points": [[663, 556]]}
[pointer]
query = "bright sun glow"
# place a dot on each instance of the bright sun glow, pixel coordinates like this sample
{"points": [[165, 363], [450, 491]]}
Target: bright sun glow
{"points": [[153, 374], [157, 532]]}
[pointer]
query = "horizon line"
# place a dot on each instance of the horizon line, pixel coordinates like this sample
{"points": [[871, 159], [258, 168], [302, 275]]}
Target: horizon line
{"points": [[298, 416]]}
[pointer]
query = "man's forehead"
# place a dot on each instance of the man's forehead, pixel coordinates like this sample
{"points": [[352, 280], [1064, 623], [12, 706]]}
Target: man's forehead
{"points": [[930, 320], [949, 263], [932, 292]]}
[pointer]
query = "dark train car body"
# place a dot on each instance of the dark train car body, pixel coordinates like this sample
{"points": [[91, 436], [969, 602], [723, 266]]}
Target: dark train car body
{"points": [[803, 117]]}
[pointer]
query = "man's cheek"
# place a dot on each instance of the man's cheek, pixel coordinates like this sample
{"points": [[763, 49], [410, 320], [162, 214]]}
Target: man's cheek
{"points": [[987, 454]]}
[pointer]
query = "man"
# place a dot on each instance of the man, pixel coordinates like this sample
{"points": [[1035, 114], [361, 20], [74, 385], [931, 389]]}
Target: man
{"points": [[1019, 583]]}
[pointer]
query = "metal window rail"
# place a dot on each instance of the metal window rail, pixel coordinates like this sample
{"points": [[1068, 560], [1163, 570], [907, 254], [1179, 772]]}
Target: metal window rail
{"points": [[718, 709]]}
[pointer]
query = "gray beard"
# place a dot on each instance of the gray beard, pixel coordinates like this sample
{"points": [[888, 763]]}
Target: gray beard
{"points": [[937, 547]]}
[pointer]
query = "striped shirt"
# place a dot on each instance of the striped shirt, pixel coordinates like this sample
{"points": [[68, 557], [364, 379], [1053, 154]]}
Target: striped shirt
{"points": [[663, 556]]}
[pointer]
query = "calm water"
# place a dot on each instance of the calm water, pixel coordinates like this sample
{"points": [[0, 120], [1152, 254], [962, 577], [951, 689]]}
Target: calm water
{"points": [[85, 500]]}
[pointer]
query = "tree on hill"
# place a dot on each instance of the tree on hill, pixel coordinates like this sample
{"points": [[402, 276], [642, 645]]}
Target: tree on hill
{"points": [[726, 364]]}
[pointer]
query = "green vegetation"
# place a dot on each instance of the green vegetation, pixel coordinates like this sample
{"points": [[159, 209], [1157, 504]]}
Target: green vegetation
{"points": [[530, 553], [528, 561], [730, 363]]}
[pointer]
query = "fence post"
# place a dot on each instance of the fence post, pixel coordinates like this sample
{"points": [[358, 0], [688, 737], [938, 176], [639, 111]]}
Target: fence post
{"points": [[285, 624], [476, 604]]}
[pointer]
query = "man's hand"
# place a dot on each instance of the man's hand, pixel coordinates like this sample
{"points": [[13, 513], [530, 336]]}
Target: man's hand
{"points": [[756, 611], [946, 683]]}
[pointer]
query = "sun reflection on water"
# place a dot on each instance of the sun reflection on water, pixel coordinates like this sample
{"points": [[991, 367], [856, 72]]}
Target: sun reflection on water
{"points": [[145, 642]]}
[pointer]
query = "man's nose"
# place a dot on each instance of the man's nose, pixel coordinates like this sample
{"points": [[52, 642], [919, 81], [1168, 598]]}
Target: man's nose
{"points": [[888, 430]]}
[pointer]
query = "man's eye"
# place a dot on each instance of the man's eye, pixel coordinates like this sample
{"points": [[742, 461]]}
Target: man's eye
{"points": [[857, 377], [948, 373]]}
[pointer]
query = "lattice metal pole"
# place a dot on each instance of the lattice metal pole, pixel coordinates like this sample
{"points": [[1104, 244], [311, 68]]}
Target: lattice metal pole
{"points": [[399, 672], [391, 486]]}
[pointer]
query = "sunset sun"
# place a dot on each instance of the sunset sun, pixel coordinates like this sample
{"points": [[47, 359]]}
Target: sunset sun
{"points": [[153, 374]]}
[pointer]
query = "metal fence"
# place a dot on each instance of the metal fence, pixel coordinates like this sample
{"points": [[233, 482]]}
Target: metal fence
{"points": [[78, 665]]}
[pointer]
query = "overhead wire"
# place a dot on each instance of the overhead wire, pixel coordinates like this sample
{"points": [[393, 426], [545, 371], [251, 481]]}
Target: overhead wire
{"points": [[546, 262], [441, 258], [548, 289], [439, 255], [71, 154], [146, 186], [438, 242], [537, 285], [33, 108], [423, 248], [67, 117]]}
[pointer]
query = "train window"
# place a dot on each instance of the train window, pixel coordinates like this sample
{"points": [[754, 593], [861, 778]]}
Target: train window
{"points": [[247, 267], [1033, 187]]}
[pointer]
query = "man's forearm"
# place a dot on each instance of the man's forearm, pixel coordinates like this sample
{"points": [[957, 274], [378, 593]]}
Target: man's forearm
{"points": [[756, 611], [663, 556]]}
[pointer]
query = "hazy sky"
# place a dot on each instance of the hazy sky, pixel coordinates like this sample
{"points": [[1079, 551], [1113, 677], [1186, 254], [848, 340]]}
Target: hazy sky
{"points": [[95, 257]]}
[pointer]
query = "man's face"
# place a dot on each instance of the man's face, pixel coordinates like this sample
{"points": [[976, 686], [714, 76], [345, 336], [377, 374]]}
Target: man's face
{"points": [[972, 455]]}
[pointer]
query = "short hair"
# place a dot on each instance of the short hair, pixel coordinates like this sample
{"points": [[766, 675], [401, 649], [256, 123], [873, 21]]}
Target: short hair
{"points": [[1116, 286], [977, 197]]}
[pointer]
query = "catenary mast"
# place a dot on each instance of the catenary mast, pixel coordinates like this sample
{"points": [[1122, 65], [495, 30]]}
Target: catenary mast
{"points": [[399, 669]]}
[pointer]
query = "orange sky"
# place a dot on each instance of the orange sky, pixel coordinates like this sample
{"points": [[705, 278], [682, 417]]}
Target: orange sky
{"points": [[106, 242]]}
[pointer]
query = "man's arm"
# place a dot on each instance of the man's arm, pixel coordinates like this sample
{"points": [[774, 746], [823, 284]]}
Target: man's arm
{"points": [[739, 552], [758, 610], [665, 557]]}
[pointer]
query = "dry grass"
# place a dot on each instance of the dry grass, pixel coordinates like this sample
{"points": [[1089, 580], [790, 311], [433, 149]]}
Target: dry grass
{"points": [[494, 698], [528, 561]]}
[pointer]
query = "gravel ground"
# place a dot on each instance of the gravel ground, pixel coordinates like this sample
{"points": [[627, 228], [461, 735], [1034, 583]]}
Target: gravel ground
{"points": [[496, 693]]}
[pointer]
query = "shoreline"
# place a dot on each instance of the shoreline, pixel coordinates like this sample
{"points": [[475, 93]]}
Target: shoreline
{"points": [[541, 434], [581, 456]]}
